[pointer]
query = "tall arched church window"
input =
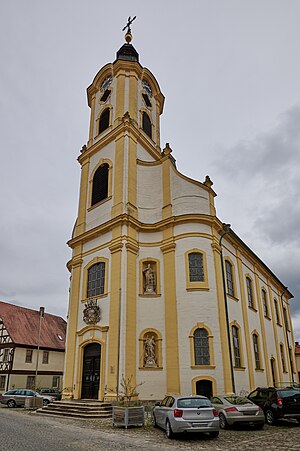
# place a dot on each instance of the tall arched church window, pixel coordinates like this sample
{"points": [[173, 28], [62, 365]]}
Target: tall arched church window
{"points": [[104, 120], [236, 346], [229, 278], [256, 352], [100, 184], [282, 358], [249, 292], [201, 347], [146, 124], [265, 303], [277, 312], [96, 280], [196, 269]]}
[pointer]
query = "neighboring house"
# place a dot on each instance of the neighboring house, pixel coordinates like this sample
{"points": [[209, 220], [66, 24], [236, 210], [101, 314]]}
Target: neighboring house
{"points": [[148, 298], [19, 337], [297, 354]]}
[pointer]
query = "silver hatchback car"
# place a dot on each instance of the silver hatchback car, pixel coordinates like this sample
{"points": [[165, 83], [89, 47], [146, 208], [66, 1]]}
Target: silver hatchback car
{"points": [[234, 409], [178, 414], [16, 398]]}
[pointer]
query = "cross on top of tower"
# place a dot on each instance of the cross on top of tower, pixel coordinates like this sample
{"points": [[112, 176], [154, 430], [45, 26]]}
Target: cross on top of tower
{"points": [[129, 22]]}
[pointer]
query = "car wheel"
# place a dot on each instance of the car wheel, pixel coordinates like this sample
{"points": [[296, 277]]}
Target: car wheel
{"points": [[270, 419], [169, 432], [259, 426], [45, 402], [214, 434], [154, 421], [11, 403], [223, 422]]}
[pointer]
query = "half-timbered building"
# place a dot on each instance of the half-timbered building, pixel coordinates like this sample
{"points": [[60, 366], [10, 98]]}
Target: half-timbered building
{"points": [[32, 348]]}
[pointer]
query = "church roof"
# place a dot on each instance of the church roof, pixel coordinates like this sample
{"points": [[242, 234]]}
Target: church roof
{"points": [[22, 324]]}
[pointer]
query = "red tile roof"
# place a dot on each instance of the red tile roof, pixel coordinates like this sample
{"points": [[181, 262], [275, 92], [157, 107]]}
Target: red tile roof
{"points": [[22, 324], [297, 349]]}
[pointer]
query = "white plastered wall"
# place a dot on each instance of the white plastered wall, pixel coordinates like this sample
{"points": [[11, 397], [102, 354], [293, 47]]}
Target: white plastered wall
{"points": [[149, 193], [188, 197]]}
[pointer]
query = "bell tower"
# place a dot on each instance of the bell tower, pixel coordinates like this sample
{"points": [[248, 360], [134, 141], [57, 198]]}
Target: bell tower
{"points": [[126, 104]]}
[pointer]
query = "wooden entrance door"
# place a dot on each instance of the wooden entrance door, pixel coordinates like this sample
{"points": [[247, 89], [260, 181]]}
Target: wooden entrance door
{"points": [[91, 371]]}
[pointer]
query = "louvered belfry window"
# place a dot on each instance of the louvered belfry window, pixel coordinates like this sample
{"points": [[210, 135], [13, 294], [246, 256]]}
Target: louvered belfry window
{"points": [[96, 278], [146, 125], [104, 120], [201, 347], [100, 184], [196, 271]]}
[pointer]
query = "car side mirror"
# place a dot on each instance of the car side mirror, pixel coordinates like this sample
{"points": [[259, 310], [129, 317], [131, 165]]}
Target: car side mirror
{"points": [[157, 403]]}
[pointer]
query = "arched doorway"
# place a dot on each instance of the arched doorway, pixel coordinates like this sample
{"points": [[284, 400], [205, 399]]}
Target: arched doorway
{"points": [[91, 371], [204, 387]]}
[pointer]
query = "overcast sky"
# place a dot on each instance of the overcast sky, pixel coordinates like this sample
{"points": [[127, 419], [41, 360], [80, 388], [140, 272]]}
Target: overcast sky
{"points": [[230, 72]]}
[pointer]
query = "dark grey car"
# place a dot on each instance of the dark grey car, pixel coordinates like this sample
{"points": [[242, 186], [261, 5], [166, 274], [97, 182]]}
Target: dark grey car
{"points": [[178, 414], [15, 398]]}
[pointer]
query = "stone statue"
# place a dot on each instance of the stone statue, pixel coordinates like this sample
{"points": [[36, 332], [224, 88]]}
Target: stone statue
{"points": [[150, 280], [150, 353]]}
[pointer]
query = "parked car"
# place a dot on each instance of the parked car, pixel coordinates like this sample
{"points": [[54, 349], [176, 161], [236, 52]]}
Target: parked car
{"points": [[177, 414], [16, 398], [54, 392], [277, 403], [234, 409]]}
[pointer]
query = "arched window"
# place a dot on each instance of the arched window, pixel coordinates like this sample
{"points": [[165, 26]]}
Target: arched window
{"points": [[286, 321], [100, 184], [256, 351], [146, 124], [236, 346], [249, 292], [282, 358], [201, 347], [96, 279], [265, 303], [104, 120], [277, 312], [196, 270], [229, 278]]}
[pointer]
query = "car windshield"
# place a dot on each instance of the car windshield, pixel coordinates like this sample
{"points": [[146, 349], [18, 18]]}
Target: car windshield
{"points": [[237, 400], [193, 403], [289, 392]]}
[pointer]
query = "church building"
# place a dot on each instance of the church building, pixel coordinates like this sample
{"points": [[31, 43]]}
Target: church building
{"points": [[162, 293]]}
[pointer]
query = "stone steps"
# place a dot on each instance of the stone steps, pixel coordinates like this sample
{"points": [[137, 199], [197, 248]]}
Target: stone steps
{"points": [[77, 409]]}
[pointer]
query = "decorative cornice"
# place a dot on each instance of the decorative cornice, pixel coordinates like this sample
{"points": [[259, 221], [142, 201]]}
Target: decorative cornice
{"points": [[116, 247], [130, 247], [93, 328], [168, 247]]}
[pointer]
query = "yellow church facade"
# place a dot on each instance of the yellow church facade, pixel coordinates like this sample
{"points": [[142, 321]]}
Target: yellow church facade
{"points": [[162, 293]]}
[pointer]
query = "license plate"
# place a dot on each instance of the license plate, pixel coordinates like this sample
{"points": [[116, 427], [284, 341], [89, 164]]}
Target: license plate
{"points": [[197, 425], [253, 412]]}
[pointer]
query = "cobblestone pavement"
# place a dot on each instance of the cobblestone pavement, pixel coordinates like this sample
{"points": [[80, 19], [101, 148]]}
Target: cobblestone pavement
{"points": [[23, 431]]}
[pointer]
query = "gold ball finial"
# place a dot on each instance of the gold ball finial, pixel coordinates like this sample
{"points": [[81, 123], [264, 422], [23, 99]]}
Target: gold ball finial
{"points": [[128, 38]]}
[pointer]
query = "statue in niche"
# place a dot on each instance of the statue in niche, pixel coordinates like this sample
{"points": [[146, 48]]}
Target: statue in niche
{"points": [[150, 352], [149, 280]]}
